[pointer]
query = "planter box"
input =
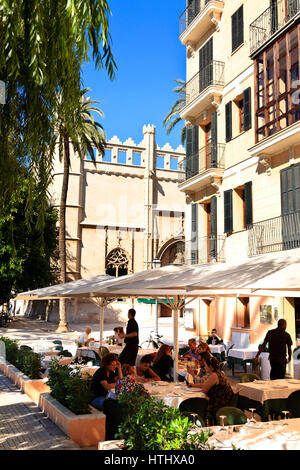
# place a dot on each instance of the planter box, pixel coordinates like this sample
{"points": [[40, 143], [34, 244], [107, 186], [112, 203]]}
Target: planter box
{"points": [[85, 430], [32, 388]]}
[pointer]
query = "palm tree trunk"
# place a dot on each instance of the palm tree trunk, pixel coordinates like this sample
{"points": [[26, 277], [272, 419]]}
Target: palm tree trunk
{"points": [[63, 325]]}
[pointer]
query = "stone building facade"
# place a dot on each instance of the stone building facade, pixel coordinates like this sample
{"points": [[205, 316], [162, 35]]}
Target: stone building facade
{"points": [[122, 212]]}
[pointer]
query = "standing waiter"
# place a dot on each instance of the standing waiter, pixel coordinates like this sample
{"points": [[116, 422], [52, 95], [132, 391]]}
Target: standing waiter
{"points": [[279, 340], [131, 340]]}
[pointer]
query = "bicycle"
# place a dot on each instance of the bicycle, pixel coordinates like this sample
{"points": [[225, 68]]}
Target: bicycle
{"points": [[153, 340]]}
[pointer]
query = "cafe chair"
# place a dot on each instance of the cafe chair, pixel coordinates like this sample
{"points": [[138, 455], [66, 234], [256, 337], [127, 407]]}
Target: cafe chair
{"points": [[57, 342], [58, 348], [293, 404], [234, 416], [65, 353], [26, 348], [247, 377], [194, 405], [198, 420], [115, 413]]}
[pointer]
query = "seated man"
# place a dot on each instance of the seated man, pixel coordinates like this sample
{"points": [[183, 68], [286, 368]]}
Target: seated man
{"points": [[84, 339], [105, 379], [143, 371], [193, 351], [214, 338]]}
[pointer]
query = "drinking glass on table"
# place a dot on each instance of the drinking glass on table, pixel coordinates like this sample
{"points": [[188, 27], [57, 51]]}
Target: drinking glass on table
{"points": [[222, 420], [252, 420], [285, 421]]}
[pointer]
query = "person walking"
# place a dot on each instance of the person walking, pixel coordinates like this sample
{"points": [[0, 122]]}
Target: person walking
{"points": [[279, 343], [131, 340]]}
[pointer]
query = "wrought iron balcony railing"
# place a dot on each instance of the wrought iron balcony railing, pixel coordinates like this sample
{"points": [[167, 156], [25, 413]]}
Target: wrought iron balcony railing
{"points": [[271, 21], [211, 74], [209, 249], [211, 156], [276, 234], [190, 13]]}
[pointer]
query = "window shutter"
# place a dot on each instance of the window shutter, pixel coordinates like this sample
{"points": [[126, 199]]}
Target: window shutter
{"points": [[205, 69], [286, 181], [213, 228], [247, 109], [194, 234], [248, 205], [228, 119], [228, 211], [214, 140], [213, 216], [195, 151], [189, 152], [237, 28]]}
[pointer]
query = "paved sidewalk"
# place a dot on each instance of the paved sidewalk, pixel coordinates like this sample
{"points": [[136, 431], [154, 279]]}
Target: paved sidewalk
{"points": [[23, 426]]}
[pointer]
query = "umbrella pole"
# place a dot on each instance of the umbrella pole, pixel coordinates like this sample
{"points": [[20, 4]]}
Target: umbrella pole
{"points": [[175, 339], [102, 322]]}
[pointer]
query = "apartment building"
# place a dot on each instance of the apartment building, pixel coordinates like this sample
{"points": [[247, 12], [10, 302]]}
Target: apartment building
{"points": [[123, 211], [241, 174]]}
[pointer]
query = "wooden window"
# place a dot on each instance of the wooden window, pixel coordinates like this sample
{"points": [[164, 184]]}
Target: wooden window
{"points": [[228, 216], [248, 212], [194, 234], [206, 65], [237, 28], [277, 87], [228, 121], [214, 140], [213, 248], [247, 109], [192, 152], [290, 189]]}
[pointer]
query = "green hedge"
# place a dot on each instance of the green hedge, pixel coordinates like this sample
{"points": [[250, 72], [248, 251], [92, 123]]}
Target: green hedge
{"points": [[69, 388], [25, 360]]}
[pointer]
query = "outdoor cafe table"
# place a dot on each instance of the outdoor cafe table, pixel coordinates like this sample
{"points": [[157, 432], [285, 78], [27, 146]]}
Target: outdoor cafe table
{"points": [[273, 435], [217, 350], [258, 436], [172, 394], [241, 357], [266, 397]]}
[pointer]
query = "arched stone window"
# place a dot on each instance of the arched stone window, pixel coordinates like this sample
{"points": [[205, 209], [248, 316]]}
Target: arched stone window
{"points": [[117, 263]]}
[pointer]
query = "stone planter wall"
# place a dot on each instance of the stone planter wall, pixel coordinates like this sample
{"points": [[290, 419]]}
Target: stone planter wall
{"points": [[85, 430]]}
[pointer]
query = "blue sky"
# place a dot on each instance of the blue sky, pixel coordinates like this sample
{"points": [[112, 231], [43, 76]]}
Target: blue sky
{"points": [[149, 56]]}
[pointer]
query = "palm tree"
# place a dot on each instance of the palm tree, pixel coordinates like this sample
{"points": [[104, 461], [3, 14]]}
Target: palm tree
{"points": [[78, 129], [173, 117]]}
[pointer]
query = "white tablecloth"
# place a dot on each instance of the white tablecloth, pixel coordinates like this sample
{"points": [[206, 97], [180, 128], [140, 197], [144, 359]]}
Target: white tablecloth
{"points": [[265, 366], [297, 369], [172, 394], [217, 348], [260, 436], [268, 390], [243, 354]]}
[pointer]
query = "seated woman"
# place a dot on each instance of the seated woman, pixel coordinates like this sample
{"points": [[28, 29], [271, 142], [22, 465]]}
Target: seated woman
{"points": [[105, 379], [199, 376], [163, 362], [216, 386], [128, 383], [193, 351], [203, 347], [143, 371]]}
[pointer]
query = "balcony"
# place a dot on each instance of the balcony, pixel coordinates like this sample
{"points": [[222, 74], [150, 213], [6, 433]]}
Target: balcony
{"points": [[203, 169], [271, 21], [208, 249], [204, 89], [276, 234], [198, 18]]}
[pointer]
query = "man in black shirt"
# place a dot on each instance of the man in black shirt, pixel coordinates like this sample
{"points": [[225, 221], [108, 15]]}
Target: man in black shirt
{"points": [[278, 340], [131, 340], [214, 338]]}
